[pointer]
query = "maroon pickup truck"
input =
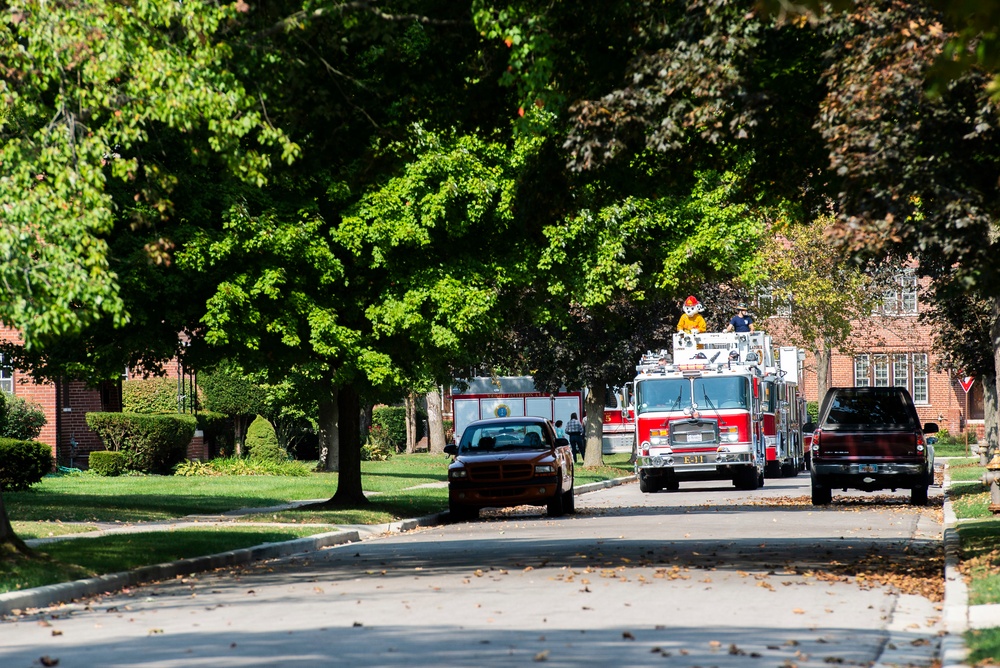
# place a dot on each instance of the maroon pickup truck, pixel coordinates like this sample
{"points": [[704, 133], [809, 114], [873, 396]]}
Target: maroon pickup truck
{"points": [[870, 438]]}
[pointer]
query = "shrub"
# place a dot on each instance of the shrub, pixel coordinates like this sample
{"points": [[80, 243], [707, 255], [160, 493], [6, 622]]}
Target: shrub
{"points": [[149, 443], [240, 466], [149, 395], [393, 420], [378, 448], [218, 431], [106, 463], [22, 420], [232, 394], [23, 463], [262, 442]]}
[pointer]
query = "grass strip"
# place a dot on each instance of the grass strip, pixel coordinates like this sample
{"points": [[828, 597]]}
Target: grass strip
{"points": [[980, 560], [983, 646], [68, 560], [965, 470]]}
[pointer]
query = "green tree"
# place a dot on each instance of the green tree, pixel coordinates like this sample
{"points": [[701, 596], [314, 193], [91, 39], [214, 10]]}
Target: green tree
{"points": [[828, 293]]}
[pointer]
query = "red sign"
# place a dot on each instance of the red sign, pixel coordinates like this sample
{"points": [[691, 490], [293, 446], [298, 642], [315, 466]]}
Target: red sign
{"points": [[966, 383]]}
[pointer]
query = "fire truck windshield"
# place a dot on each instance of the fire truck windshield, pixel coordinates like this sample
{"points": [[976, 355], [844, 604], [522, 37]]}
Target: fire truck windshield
{"points": [[710, 393]]}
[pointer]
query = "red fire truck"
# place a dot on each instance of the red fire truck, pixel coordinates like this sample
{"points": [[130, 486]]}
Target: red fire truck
{"points": [[699, 410], [510, 396], [780, 405], [618, 429]]}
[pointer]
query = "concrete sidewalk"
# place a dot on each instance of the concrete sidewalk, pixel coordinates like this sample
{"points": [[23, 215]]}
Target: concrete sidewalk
{"points": [[105, 584]]}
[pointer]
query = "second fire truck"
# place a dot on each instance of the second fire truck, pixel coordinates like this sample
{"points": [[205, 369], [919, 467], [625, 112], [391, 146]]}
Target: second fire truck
{"points": [[699, 410]]}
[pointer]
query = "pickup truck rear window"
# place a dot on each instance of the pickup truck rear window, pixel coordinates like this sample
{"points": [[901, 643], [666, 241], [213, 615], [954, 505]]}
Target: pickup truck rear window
{"points": [[869, 411]]}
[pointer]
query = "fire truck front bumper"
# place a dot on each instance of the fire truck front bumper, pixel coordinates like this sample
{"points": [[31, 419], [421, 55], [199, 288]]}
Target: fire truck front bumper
{"points": [[682, 461]]}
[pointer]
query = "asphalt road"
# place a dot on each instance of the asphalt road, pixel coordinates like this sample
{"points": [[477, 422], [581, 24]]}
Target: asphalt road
{"points": [[706, 576]]}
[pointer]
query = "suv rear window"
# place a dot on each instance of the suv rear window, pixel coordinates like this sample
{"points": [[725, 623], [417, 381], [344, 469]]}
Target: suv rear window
{"points": [[870, 408]]}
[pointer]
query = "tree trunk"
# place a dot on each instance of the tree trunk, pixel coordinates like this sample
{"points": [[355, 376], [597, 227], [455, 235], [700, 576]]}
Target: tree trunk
{"points": [[992, 440], [991, 421], [411, 422], [240, 423], [329, 437], [9, 542], [435, 423], [349, 489], [593, 426], [823, 357]]}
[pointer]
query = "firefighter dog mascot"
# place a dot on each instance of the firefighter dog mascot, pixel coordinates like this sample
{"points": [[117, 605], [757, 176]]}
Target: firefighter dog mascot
{"points": [[691, 321]]}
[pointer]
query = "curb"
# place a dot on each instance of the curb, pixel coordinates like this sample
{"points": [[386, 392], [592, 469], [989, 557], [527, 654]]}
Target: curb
{"points": [[40, 597], [956, 595]]}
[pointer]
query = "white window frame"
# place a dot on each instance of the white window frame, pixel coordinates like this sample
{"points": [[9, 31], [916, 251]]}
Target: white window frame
{"points": [[765, 295], [901, 370], [921, 379], [862, 375], [902, 299], [6, 377], [880, 369]]}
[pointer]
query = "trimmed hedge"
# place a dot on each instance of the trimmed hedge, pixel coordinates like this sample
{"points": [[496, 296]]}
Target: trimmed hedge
{"points": [[149, 395], [149, 443], [23, 463], [107, 463]]}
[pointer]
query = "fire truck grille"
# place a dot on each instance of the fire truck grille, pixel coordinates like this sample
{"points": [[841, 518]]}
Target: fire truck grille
{"points": [[500, 472], [688, 434]]}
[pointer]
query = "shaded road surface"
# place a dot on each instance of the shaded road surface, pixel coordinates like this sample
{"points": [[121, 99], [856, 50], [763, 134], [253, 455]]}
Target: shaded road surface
{"points": [[702, 577]]}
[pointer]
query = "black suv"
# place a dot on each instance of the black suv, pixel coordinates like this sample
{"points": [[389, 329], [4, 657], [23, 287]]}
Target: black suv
{"points": [[869, 438]]}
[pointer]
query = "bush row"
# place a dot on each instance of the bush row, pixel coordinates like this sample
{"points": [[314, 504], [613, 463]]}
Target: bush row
{"points": [[148, 443], [23, 463]]}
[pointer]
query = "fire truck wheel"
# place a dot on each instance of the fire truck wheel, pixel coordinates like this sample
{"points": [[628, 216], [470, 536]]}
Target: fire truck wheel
{"points": [[821, 496], [918, 496], [555, 507], [747, 478], [672, 484], [772, 470], [648, 485]]}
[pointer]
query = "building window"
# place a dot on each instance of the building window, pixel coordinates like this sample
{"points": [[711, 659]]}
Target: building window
{"points": [[909, 370], [901, 298], [773, 306], [861, 371], [881, 371], [6, 377], [900, 370], [920, 392]]}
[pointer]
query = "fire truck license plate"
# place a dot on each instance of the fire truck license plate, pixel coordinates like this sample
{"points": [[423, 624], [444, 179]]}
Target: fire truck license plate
{"points": [[868, 468], [694, 459], [694, 437]]}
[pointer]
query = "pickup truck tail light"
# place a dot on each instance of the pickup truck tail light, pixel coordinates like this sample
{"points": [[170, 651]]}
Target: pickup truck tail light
{"points": [[815, 441]]}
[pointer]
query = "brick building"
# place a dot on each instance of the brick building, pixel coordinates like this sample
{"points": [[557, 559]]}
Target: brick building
{"points": [[895, 348], [66, 404]]}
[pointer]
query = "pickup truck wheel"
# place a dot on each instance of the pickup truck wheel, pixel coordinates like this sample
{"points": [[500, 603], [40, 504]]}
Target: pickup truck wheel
{"points": [[460, 513], [918, 496], [555, 507], [569, 502], [647, 484], [821, 496]]}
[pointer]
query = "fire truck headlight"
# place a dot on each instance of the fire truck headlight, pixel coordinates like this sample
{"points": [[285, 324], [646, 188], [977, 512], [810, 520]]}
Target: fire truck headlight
{"points": [[732, 437]]}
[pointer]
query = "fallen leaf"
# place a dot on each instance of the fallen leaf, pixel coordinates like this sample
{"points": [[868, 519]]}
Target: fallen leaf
{"points": [[542, 656], [48, 661]]}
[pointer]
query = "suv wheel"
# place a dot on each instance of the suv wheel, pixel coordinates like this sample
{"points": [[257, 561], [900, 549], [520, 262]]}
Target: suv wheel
{"points": [[918, 496], [821, 495]]}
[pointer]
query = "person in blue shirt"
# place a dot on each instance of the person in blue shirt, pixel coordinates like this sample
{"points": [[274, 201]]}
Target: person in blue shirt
{"points": [[742, 321], [560, 432]]}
